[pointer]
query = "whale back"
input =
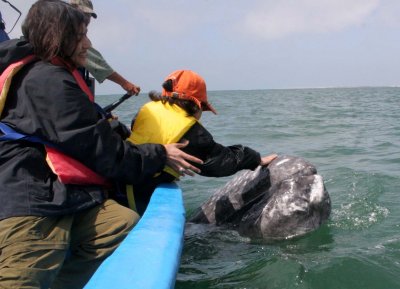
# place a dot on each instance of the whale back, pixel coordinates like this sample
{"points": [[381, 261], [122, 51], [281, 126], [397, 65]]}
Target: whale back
{"points": [[284, 200], [229, 202]]}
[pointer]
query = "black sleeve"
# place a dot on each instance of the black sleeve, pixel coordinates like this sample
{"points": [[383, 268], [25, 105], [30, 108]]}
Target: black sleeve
{"points": [[51, 105], [219, 160], [12, 51]]}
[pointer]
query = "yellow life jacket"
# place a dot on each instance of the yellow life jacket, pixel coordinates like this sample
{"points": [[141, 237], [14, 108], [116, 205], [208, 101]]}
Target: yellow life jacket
{"points": [[159, 123]]}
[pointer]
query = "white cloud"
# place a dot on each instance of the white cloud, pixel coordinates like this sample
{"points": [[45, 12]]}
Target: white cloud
{"points": [[276, 19], [144, 40], [387, 14]]}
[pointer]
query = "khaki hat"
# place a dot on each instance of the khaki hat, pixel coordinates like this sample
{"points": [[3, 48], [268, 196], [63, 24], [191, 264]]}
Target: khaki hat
{"points": [[187, 84], [85, 6]]}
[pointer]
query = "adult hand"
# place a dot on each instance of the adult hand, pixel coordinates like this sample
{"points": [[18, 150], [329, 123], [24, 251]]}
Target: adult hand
{"points": [[267, 159], [178, 160], [131, 88]]}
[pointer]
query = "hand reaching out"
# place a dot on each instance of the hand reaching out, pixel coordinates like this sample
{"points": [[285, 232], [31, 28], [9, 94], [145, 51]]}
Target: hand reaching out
{"points": [[131, 88], [178, 160], [267, 159]]}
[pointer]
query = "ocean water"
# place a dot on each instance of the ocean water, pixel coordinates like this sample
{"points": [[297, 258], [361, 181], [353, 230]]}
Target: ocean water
{"points": [[352, 135]]}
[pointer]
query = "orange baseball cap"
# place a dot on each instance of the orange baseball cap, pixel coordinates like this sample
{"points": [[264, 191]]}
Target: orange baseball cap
{"points": [[187, 84]]}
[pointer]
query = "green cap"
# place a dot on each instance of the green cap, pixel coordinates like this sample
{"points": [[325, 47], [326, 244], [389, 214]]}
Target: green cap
{"points": [[85, 6]]}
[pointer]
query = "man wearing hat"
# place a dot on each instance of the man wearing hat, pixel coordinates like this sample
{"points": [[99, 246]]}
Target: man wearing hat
{"points": [[95, 63], [173, 116]]}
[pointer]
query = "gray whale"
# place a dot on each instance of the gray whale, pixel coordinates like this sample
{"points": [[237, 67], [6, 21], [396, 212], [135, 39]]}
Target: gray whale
{"points": [[284, 200]]}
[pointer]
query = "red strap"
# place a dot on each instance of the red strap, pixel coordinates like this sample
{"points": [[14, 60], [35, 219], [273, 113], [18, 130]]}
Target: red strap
{"points": [[10, 68], [76, 74], [69, 170]]}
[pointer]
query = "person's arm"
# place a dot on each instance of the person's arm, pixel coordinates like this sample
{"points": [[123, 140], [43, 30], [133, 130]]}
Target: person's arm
{"points": [[219, 160], [97, 65], [125, 84], [101, 70]]}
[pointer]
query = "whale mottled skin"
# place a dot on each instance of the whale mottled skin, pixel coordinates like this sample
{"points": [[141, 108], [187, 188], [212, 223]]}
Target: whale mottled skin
{"points": [[286, 199]]}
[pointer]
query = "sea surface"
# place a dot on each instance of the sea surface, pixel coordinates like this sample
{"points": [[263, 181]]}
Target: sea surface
{"points": [[352, 136]]}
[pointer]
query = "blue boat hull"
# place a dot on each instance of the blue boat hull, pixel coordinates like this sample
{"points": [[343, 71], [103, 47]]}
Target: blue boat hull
{"points": [[149, 257]]}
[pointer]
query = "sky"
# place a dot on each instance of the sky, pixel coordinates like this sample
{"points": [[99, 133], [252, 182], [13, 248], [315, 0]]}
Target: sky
{"points": [[247, 44]]}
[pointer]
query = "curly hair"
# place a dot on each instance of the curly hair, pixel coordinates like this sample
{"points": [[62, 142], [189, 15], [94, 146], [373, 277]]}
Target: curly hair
{"points": [[53, 28]]}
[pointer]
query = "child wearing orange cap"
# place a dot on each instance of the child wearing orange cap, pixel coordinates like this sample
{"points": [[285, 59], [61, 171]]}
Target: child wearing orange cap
{"points": [[173, 116]]}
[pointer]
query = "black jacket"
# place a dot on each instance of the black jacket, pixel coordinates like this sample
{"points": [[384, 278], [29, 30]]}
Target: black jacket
{"points": [[219, 161], [44, 100]]}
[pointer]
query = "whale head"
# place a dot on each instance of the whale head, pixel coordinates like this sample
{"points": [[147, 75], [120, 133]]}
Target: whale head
{"points": [[297, 206]]}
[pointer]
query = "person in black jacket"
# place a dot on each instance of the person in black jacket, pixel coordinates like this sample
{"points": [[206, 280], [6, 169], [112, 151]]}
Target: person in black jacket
{"points": [[57, 226], [174, 116]]}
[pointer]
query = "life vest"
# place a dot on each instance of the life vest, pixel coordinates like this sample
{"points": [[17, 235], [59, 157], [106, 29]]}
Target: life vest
{"points": [[68, 170], [161, 123]]}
